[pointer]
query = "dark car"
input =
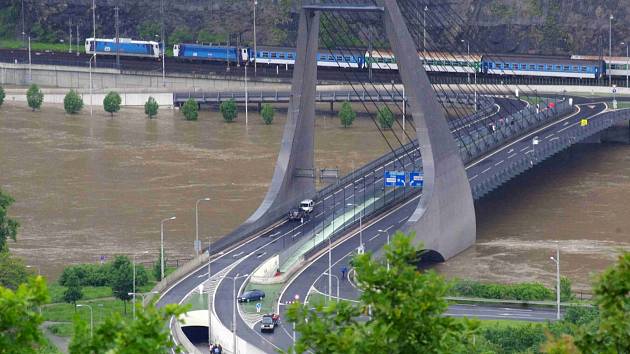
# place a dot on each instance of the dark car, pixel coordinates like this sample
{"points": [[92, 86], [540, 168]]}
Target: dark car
{"points": [[269, 322], [251, 295], [296, 214]]}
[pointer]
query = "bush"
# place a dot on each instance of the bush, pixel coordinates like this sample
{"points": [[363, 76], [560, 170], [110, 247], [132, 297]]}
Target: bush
{"points": [[385, 117], [515, 339], [565, 289], [267, 113], [523, 291], [34, 97], [72, 103], [190, 109], [229, 110], [112, 102], [151, 107], [2, 95], [97, 274]]}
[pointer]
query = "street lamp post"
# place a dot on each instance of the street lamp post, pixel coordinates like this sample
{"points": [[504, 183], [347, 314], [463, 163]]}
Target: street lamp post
{"points": [[246, 98], [556, 260], [209, 297], [133, 262], [162, 245], [234, 279], [424, 32], [386, 231], [197, 244], [627, 44], [360, 225], [163, 45], [91, 318], [255, 51], [93, 57], [610, 47], [23, 29], [30, 72], [329, 290]]}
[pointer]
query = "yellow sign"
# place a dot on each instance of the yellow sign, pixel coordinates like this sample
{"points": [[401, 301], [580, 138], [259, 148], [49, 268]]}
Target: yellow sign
{"points": [[584, 122]]}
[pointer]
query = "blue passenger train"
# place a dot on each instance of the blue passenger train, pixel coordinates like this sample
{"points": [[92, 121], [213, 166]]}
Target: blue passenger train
{"points": [[125, 47]]}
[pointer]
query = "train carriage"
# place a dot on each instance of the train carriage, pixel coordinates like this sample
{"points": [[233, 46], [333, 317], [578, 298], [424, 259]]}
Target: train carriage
{"points": [[450, 63], [516, 65], [125, 47], [210, 52], [615, 66]]}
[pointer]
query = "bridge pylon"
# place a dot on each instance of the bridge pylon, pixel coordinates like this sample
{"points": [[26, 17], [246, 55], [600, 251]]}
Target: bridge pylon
{"points": [[444, 220]]}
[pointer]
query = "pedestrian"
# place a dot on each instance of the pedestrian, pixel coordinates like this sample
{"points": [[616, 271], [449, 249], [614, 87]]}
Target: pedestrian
{"points": [[220, 349], [343, 272], [212, 347]]}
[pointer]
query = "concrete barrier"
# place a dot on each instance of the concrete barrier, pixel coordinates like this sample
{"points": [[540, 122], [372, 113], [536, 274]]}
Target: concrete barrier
{"points": [[177, 275], [56, 96]]}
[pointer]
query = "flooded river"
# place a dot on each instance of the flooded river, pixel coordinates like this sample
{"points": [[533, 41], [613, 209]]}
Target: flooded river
{"points": [[91, 187]]}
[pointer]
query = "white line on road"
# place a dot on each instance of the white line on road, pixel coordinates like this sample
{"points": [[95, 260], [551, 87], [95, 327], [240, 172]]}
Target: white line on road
{"points": [[525, 148], [236, 255], [549, 136], [511, 156], [500, 162], [473, 177], [403, 220], [262, 254], [486, 170], [373, 237], [511, 150]]}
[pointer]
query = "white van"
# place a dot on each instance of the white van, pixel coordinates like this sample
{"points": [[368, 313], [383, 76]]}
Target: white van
{"points": [[307, 205]]}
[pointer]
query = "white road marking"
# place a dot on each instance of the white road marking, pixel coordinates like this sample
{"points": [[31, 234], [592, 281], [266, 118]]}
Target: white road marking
{"points": [[373, 237], [549, 136], [262, 254], [403, 220], [511, 150], [473, 177], [511, 156], [486, 170], [236, 255], [525, 148], [500, 162]]}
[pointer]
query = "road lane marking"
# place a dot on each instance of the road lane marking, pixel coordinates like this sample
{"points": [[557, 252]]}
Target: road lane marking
{"points": [[549, 136], [500, 162], [236, 255], [511, 156], [262, 254], [486, 170], [525, 148], [475, 176]]}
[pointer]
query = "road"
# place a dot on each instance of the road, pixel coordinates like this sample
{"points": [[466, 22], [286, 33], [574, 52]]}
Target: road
{"points": [[246, 256]]}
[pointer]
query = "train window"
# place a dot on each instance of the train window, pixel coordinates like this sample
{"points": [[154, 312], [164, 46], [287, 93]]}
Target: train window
{"points": [[281, 55], [499, 66], [566, 68], [523, 66], [559, 67], [289, 55], [584, 69], [532, 67], [339, 58], [273, 55], [265, 54], [515, 66], [576, 68], [331, 57], [541, 67]]}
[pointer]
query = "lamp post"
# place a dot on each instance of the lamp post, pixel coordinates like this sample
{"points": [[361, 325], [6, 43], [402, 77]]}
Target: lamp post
{"points": [[209, 297], [162, 245], [23, 32], [197, 244], [556, 260], [246, 98], [255, 51], [424, 32], [30, 72], [329, 290], [93, 57], [610, 47], [360, 226], [91, 318], [627, 44], [133, 262], [163, 45], [386, 231], [234, 279]]}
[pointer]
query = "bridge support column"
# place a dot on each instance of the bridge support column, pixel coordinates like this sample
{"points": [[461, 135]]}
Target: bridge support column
{"points": [[444, 220], [290, 184]]}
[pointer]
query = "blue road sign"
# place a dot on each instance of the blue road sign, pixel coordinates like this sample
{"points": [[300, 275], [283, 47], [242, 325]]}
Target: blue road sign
{"points": [[416, 179], [394, 178]]}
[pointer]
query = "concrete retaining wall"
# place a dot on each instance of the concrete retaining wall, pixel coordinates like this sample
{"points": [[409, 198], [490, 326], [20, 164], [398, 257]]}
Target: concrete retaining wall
{"points": [[164, 99], [178, 274], [79, 77]]}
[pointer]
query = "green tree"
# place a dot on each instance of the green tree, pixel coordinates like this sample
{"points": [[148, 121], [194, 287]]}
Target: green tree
{"points": [[267, 113], [151, 107], [19, 318], [13, 271], [157, 267], [73, 292], [385, 117], [8, 226], [34, 97], [122, 278], [112, 102], [190, 109], [407, 311], [346, 114], [206, 36], [613, 300], [72, 103], [148, 29], [2, 95], [181, 34], [565, 289], [146, 334], [229, 110]]}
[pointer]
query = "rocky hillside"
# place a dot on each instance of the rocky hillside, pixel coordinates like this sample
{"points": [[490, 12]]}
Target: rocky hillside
{"points": [[503, 26]]}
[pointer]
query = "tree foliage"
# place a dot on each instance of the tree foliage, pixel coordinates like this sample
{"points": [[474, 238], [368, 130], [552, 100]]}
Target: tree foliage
{"points": [[111, 102], [73, 292], [20, 319], [2, 95], [13, 271], [406, 305], [522, 291], [8, 226], [190, 109], [146, 334], [72, 103], [267, 112], [346, 114], [147, 30], [97, 274], [151, 107], [34, 97], [229, 110], [122, 278], [385, 117], [612, 297]]}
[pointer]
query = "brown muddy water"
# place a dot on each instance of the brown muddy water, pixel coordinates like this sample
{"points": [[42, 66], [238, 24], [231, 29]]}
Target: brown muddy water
{"points": [[91, 187]]}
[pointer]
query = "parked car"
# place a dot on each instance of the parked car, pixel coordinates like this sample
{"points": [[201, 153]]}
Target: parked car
{"points": [[269, 322], [251, 295]]}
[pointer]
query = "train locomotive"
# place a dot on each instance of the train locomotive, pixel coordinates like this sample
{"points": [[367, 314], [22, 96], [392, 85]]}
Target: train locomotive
{"points": [[124, 47]]}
